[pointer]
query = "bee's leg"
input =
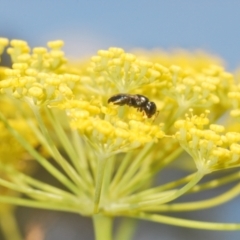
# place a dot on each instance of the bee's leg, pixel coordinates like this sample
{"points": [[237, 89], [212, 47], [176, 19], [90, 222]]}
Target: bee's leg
{"points": [[155, 116]]}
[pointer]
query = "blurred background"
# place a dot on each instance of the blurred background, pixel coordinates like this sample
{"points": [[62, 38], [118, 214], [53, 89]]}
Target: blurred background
{"points": [[86, 26]]}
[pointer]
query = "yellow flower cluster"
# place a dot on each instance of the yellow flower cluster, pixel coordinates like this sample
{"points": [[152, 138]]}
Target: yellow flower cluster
{"points": [[34, 76], [42, 78], [106, 132], [196, 82], [191, 79], [185, 59], [210, 148], [198, 89], [122, 70]]}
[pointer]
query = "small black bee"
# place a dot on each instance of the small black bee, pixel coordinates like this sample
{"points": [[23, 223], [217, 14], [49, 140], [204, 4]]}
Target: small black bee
{"points": [[137, 101]]}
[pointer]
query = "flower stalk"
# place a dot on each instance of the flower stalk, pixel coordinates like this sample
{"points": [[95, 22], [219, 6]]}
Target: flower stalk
{"points": [[8, 224], [102, 161], [102, 227]]}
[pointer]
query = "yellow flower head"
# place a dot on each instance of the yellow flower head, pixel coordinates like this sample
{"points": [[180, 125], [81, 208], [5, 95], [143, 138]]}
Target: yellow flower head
{"points": [[34, 77], [122, 70], [95, 121], [106, 131], [210, 148]]}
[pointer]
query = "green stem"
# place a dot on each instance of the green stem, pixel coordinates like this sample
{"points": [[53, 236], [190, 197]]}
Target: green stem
{"points": [[62, 136], [144, 174], [69, 170], [36, 204], [44, 162], [136, 183], [70, 149], [198, 176], [216, 182], [83, 168], [197, 205], [108, 174], [99, 182], [132, 169], [157, 190], [22, 179], [102, 227], [121, 170], [169, 196], [36, 194], [188, 223], [167, 159], [126, 229], [197, 188], [39, 135], [8, 223]]}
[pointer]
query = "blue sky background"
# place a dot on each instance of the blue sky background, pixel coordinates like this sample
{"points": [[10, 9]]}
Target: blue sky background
{"points": [[212, 25], [86, 26]]}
